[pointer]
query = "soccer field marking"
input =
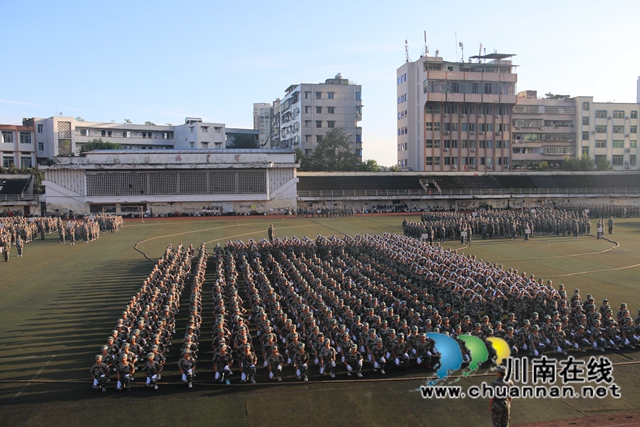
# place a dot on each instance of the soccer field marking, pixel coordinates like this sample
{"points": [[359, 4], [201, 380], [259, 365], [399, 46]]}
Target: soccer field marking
{"points": [[32, 379], [616, 245], [597, 271]]}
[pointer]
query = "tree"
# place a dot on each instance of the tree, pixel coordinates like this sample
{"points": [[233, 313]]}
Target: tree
{"points": [[584, 163], [127, 121], [147, 123], [305, 161], [603, 164], [554, 96], [244, 140], [99, 144], [543, 166], [79, 119], [370, 166], [334, 153]]}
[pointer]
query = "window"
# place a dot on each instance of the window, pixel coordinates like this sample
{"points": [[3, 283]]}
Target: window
{"points": [[618, 129], [618, 144], [601, 114], [429, 161], [436, 143], [601, 144], [7, 137], [25, 162], [331, 110], [601, 128], [633, 129], [454, 143], [633, 144], [105, 133], [634, 114], [205, 129], [7, 161], [318, 110], [618, 114], [617, 160], [307, 123], [585, 106], [40, 146], [498, 144], [432, 109], [585, 135], [481, 144], [25, 137], [318, 123], [331, 124], [585, 121], [632, 159], [487, 88], [436, 161], [318, 138], [464, 127], [464, 143], [307, 95], [40, 128], [585, 151], [447, 161], [429, 143], [358, 138], [318, 95], [331, 95], [307, 109], [358, 96]]}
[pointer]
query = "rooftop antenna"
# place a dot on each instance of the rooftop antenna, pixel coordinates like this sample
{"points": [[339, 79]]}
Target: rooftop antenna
{"points": [[456, 43], [480, 53], [406, 50], [426, 48], [462, 50]]}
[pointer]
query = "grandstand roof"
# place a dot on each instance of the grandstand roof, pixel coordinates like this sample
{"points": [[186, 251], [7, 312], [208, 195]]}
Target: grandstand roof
{"points": [[313, 181], [14, 184]]}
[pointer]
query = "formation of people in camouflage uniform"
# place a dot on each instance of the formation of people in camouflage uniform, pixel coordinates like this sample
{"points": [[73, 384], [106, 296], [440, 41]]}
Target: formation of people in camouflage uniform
{"points": [[18, 230], [143, 333], [366, 304], [324, 212], [494, 224], [87, 230], [603, 210]]}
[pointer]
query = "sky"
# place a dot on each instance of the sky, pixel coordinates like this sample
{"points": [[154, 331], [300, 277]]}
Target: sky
{"points": [[162, 61]]}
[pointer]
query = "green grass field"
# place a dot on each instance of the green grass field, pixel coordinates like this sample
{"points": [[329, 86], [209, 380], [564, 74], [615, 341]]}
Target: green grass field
{"points": [[59, 302]]}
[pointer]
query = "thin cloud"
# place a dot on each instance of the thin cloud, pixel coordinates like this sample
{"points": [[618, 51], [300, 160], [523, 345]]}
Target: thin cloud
{"points": [[16, 102]]}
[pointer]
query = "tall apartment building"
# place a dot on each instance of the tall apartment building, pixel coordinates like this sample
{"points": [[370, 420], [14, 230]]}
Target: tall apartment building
{"points": [[308, 111], [543, 130], [608, 130], [262, 121], [455, 116], [17, 144], [274, 136]]}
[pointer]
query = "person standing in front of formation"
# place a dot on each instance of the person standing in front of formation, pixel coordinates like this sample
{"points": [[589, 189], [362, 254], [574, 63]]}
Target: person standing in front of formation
{"points": [[611, 223], [271, 233], [500, 406]]}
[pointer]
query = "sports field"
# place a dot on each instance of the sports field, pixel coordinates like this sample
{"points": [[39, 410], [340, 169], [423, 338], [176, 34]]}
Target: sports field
{"points": [[59, 303]]}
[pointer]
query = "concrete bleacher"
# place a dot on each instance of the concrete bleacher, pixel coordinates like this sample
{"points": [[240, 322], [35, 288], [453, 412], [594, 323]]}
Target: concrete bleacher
{"points": [[466, 182]]}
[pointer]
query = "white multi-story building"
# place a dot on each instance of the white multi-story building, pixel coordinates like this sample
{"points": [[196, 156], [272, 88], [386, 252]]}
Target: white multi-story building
{"points": [[608, 130], [308, 111], [65, 136]]}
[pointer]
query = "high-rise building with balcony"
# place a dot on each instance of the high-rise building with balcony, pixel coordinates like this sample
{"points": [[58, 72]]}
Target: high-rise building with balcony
{"points": [[455, 116], [262, 112], [308, 111], [542, 130]]}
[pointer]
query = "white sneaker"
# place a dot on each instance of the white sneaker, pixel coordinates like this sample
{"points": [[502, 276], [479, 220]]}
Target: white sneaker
{"points": [[155, 386], [190, 385], [333, 375], [359, 374], [348, 373], [382, 371]]}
